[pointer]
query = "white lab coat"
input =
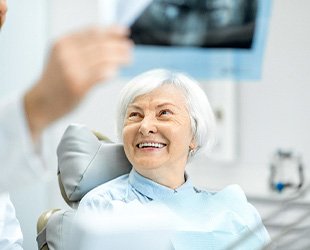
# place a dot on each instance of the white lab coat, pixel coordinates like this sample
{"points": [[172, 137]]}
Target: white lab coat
{"points": [[11, 237], [19, 157], [20, 164]]}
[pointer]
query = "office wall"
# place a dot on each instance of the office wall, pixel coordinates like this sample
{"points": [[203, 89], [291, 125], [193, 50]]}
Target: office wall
{"points": [[272, 112], [22, 44]]}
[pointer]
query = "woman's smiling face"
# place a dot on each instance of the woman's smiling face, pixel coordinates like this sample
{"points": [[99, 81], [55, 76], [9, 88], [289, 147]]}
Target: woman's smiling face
{"points": [[157, 131]]}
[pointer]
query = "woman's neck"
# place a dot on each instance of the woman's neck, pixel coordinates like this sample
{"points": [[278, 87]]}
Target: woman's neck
{"points": [[170, 179]]}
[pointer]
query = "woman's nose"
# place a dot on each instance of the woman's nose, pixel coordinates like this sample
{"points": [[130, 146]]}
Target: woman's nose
{"points": [[148, 126]]}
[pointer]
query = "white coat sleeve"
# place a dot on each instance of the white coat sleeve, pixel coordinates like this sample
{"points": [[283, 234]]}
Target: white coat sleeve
{"points": [[10, 233], [20, 160]]}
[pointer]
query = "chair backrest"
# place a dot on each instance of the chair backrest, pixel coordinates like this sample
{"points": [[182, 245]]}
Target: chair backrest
{"points": [[85, 160]]}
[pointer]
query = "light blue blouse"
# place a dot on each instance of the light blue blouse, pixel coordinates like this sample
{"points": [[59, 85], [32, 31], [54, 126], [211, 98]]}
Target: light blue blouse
{"points": [[218, 219]]}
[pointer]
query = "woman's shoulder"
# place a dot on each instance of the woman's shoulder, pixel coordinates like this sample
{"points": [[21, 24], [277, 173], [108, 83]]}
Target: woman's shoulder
{"points": [[233, 191], [110, 190], [232, 196]]}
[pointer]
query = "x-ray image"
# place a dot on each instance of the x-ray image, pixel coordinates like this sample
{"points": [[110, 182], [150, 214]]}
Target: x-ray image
{"points": [[200, 23]]}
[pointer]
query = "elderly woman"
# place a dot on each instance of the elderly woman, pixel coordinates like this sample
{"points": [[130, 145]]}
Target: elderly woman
{"points": [[164, 119]]}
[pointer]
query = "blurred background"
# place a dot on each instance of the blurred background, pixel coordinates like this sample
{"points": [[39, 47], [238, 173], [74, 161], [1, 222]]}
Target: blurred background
{"points": [[257, 117]]}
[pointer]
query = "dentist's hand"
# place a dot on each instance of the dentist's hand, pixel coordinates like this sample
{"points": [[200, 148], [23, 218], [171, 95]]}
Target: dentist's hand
{"points": [[3, 10], [76, 63]]}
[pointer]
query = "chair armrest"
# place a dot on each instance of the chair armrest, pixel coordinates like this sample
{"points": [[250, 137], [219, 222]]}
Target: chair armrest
{"points": [[41, 228]]}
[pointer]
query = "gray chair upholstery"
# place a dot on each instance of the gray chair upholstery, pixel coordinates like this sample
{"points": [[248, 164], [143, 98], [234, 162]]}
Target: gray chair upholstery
{"points": [[85, 160]]}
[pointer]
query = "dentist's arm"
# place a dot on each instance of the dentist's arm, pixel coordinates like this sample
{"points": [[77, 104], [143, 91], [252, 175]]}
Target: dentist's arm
{"points": [[76, 63]]}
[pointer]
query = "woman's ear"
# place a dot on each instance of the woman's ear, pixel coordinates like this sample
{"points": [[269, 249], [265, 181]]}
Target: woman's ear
{"points": [[192, 145]]}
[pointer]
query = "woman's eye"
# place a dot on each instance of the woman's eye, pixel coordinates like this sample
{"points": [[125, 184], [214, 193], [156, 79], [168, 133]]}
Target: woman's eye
{"points": [[134, 115], [165, 112]]}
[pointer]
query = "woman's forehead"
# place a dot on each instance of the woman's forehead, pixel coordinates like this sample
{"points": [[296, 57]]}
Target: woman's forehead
{"points": [[163, 94]]}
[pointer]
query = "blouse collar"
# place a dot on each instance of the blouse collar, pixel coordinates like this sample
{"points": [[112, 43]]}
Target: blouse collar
{"points": [[156, 191]]}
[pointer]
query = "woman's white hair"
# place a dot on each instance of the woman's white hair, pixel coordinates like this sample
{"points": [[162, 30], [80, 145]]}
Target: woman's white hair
{"points": [[199, 109]]}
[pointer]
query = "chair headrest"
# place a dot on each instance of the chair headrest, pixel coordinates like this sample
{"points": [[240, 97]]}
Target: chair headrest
{"points": [[84, 162]]}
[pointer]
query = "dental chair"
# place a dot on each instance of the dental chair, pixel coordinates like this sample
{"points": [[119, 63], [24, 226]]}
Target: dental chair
{"points": [[85, 160]]}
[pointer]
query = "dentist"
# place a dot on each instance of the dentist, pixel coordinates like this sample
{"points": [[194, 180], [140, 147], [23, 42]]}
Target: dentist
{"points": [[76, 63]]}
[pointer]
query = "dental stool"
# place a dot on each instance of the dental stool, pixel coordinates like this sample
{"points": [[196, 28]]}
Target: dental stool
{"points": [[85, 160]]}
